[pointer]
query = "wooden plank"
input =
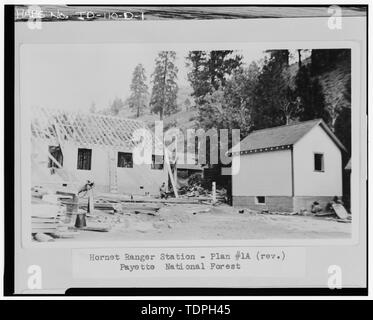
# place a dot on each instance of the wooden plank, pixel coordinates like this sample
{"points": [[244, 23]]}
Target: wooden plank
{"points": [[97, 229], [167, 161], [340, 210], [154, 200], [44, 225], [43, 230]]}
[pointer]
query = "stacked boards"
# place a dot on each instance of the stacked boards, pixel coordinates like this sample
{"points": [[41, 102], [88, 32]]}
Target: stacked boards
{"points": [[45, 217]]}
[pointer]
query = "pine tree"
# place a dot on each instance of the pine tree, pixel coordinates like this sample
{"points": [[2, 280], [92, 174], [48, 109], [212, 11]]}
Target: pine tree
{"points": [[210, 70], [164, 92], [116, 106], [139, 91], [274, 100], [311, 95], [238, 94], [229, 107], [199, 76]]}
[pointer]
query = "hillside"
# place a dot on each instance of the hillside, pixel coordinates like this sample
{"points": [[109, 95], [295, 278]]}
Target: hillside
{"points": [[182, 119]]}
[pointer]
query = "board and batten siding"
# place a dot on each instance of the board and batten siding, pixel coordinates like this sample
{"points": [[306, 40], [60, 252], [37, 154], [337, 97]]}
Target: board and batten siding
{"points": [[307, 181], [263, 174]]}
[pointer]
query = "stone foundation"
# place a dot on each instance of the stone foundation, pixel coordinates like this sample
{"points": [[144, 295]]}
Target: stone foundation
{"points": [[281, 203], [273, 203]]}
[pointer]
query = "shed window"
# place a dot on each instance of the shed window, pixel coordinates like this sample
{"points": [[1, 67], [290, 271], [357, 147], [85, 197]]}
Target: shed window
{"points": [[157, 162], [84, 159], [56, 154], [260, 200], [319, 162], [125, 160]]}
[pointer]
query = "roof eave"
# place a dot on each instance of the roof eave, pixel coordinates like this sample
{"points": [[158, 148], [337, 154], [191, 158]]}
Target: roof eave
{"points": [[333, 136], [261, 150]]}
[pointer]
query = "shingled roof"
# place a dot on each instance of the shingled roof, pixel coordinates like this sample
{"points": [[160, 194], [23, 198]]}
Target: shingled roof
{"points": [[282, 137], [60, 126]]}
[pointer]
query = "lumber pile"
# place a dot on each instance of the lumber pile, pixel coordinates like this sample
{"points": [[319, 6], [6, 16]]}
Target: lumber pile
{"points": [[48, 221], [45, 217], [183, 199], [122, 198], [337, 213], [197, 192], [123, 206], [112, 206]]}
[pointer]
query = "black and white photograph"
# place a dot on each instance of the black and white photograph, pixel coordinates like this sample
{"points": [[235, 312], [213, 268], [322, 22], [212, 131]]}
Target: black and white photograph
{"points": [[188, 147], [253, 143]]}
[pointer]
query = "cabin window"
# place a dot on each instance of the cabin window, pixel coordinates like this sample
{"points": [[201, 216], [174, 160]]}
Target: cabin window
{"points": [[125, 160], [84, 159], [319, 162], [57, 155], [157, 162], [260, 200]]}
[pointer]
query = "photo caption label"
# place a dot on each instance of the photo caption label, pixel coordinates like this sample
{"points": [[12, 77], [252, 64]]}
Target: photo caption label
{"points": [[128, 262]]}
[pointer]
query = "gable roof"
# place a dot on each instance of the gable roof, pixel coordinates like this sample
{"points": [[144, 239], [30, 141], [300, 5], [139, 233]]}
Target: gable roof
{"points": [[282, 137], [60, 126]]}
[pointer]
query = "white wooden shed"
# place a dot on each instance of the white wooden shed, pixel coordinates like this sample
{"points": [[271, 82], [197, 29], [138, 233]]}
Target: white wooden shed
{"points": [[287, 168]]}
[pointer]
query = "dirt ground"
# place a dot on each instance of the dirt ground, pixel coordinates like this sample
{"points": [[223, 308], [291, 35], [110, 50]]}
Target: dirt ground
{"points": [[206, 222]]}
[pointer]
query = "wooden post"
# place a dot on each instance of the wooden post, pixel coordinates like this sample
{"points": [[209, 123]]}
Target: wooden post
{"points": [[167, 162], [213, 191], [90, 202], [175, 172]]}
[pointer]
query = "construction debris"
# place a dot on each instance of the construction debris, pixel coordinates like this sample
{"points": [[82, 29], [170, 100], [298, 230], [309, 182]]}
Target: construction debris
{"points": [[147, 199], [98, 229], [202, 211], [38, 191], [197, 192], [340, 210], [42, 237], [55, 215], [45, 217], [64, 234], [341, 216]]}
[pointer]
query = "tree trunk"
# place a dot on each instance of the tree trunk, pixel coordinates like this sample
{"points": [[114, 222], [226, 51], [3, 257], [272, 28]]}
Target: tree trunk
{"points": [[333, 120], [287, 119], [164, 87]]}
